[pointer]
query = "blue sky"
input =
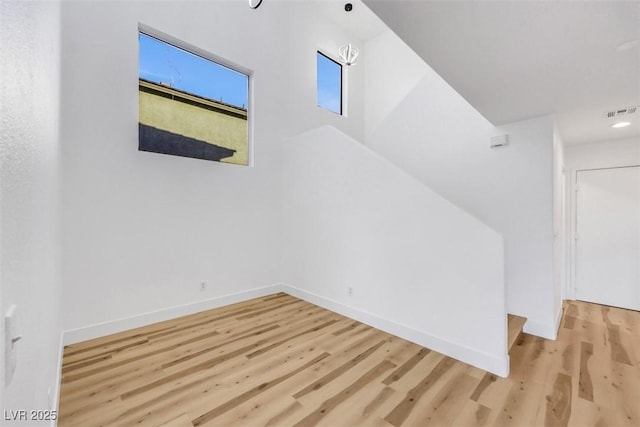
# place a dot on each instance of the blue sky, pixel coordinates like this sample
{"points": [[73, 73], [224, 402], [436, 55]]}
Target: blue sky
{"points": [[329, 84], [161, 62]]}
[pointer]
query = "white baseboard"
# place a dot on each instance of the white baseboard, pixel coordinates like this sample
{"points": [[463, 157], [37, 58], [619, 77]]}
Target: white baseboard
{"points": [[107, 328], [55, 392], [557, 323], [544, 330], [482, 360]]}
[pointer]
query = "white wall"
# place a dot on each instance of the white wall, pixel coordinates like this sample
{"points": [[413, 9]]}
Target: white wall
{"points": [[437, 137], [304, 29], [29, 143], [142, 230], [419, 266], [605, 154], [400, 69], [559, 224]]}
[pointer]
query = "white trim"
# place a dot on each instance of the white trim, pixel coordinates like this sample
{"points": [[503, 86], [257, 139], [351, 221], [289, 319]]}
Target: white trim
{"points": [[55, 398], [111, 327], [571, 283], [562, 264], [543, 329], [181, 44], [219, 60], [482, 360], [573, 214], [558, 320], [344, 95], [343, 81]]}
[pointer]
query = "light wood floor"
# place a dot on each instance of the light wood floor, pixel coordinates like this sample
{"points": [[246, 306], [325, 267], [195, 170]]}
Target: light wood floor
{"points": [[280, 361]]}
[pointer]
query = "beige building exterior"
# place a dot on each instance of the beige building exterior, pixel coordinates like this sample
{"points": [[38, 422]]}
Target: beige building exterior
{"points": [[191, 121]]}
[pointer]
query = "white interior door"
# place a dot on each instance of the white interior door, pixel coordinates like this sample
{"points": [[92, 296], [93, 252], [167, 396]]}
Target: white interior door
{"points": [[608, 237]]}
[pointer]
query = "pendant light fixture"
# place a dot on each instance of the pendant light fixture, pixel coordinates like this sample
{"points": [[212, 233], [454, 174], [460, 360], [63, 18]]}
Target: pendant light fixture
{"points": [[347, 53]]}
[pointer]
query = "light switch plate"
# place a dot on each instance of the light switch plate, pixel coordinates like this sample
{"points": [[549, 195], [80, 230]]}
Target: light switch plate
{"points": [[10, 356]]}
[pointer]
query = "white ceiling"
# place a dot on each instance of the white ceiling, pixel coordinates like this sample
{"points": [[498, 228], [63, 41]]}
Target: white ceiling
{"points": [[514, 60], [360, 21]]}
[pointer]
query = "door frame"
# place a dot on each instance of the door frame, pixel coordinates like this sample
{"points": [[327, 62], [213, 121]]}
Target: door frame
{"points": [[573, 226]]}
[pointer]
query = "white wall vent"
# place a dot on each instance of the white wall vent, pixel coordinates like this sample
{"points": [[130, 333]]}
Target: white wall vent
{"points": [[621, 112], [499, 141]]}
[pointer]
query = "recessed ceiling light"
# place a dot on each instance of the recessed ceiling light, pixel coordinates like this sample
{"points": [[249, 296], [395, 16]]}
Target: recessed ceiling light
{"points": [[620, 125]]}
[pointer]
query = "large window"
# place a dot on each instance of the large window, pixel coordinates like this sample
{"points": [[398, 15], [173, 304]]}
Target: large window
{"points": [[329, 78], [191, 105]]}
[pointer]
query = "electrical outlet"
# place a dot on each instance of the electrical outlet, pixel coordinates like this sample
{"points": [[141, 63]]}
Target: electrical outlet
{"points": [[350, 290], [203, 286]]}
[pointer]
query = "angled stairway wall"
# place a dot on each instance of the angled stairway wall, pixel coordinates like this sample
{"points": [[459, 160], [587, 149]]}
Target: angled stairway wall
{"points": [[422, 125], [429, 271]]}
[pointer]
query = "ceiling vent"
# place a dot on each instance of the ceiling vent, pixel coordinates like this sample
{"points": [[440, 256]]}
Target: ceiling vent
{"points": [[621, 112]]}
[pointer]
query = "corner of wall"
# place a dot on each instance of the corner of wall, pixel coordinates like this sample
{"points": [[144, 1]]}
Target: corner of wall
{"points": [[544, 330], [487, 362], [30, 140], [55, 393], [72, 336]]}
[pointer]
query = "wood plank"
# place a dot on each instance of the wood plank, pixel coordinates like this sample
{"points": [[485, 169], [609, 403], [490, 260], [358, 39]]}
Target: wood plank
{"points": [[406, 367], [316, 385], [402, 411], [365, 408], [522, 404], [482, 385], [559, 402], [515, 324], [473, 414], [444, 407], [330, 404], [181, 420], [585, 385], [197, 393], [284, 416], [213, 413], [250, 364]]}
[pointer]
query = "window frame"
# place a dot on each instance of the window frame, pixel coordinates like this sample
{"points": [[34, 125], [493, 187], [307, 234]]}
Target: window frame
{"points": [[342, 112], [180, 44]]}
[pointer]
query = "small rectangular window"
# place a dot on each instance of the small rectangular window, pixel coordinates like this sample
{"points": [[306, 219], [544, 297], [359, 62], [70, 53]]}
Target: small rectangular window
{"points": [[329, 79], [190, 105]]}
